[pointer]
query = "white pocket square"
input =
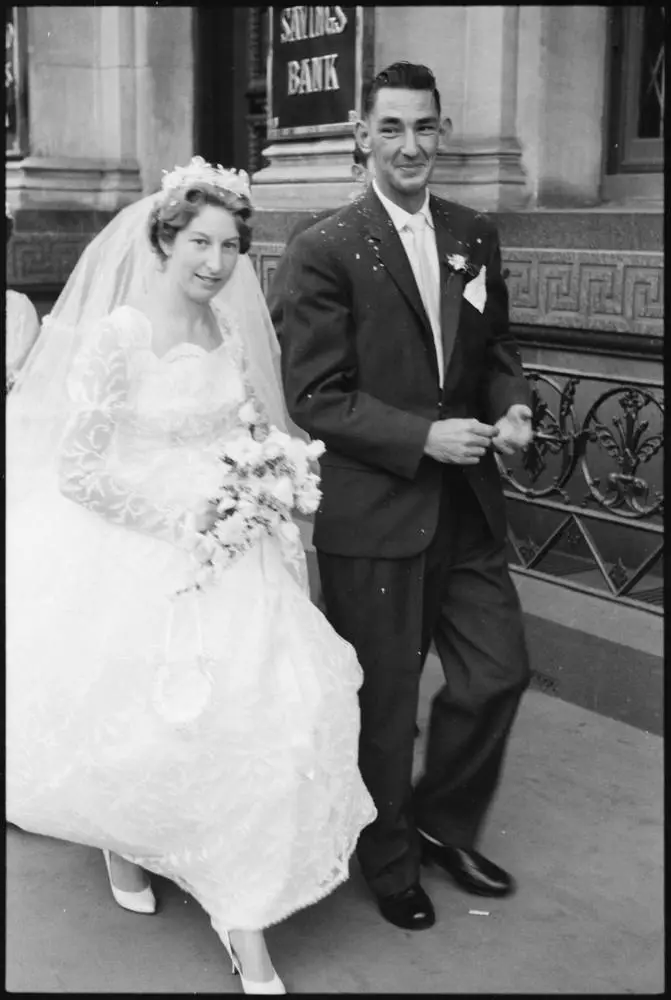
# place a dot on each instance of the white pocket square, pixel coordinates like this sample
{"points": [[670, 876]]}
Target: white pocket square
{"points": [[475, 291]]}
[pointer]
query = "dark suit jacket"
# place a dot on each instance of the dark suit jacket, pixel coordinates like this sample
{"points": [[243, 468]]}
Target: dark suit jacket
{"points": [[360, 372]]}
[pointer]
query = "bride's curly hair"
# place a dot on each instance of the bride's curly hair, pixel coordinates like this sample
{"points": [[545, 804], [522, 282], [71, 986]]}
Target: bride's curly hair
{"points": [[176, 211]]}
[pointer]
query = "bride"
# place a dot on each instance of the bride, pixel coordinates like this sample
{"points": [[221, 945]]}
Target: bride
{"points": [[190, 715]]}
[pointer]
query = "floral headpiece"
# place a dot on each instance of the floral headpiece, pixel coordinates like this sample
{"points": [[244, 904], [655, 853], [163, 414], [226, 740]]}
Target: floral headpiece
{"points": [[235, 181]]}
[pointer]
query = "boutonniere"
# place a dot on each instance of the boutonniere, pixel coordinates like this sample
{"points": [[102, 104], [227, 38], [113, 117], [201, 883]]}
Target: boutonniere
{"points": [[457, 263]]}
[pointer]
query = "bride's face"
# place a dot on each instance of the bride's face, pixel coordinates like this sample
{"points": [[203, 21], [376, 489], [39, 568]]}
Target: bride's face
{"points": [[204, 254]]}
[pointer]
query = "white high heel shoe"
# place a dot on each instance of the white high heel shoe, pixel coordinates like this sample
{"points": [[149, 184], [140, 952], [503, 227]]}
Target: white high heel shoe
{"points": [[143, 901], [274, 985]]}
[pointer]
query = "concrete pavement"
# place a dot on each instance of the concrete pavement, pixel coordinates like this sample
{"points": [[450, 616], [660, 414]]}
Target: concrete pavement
{"points": [[578, 820]]}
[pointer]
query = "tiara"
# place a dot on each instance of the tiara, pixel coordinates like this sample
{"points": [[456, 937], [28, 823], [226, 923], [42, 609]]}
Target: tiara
{"points": [[235, 181]]}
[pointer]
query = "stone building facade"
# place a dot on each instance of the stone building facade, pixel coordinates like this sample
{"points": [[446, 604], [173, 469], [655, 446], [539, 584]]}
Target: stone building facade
{"points": [[557, 116]]}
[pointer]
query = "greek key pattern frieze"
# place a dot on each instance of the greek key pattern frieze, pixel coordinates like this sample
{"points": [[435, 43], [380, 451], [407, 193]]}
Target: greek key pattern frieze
{"points": [[581, 289], [43, 258], [589, 290]]}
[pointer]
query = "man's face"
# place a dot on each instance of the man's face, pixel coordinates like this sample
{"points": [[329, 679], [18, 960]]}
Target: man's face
{"points": [[402, 132]]}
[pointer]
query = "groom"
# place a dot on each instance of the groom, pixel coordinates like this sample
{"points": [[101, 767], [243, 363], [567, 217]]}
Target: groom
{"points": [[398, 355]]}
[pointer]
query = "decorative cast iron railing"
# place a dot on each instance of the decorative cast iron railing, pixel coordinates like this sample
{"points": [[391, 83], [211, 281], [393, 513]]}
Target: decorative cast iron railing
{"points": [[591, 480]]}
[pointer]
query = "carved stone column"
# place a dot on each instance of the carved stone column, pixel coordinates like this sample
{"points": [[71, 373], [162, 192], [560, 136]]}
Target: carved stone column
{"points": [[81, 165], [481, 164], [109, 88], [80, 76], [561, 86]]}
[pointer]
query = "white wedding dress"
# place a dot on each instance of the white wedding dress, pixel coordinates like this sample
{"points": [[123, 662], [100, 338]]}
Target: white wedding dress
{"points": [[211, 737]]}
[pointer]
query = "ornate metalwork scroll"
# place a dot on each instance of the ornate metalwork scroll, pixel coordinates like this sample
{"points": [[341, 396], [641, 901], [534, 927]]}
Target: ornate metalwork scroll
{"points": [[591, 480]]}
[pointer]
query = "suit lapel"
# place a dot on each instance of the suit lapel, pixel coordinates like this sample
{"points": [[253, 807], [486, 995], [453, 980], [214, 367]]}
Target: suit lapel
{"points": [[451, 285], [391, 252]]}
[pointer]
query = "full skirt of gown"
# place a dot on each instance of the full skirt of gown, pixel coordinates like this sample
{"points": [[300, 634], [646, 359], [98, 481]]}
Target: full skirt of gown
{"points": [[211, 737]]}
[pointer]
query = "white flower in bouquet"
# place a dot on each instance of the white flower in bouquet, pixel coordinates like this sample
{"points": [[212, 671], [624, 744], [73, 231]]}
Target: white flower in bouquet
{"points": [[315, 450], [271, 449], [244, 451], [248, 413], [237, 450], [282, 489], [255, 452], [296, 452], [264, 483], [279, 438], [226, 502], [259, 483], [246, 507], [229, 530], [309, 497]]}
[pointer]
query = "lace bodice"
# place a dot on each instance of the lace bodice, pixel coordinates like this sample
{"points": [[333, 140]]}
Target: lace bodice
{"points": [[140, 449]]}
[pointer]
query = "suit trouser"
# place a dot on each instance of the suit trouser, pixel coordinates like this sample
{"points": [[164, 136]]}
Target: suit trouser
{"points": [[459, 593]]}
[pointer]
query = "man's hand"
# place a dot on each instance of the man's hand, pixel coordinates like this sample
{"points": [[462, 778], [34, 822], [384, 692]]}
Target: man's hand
{"points": [[515, 430], [461, 442]]}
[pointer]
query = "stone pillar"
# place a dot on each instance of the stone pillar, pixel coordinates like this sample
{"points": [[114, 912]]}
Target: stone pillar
{"points": [[110, 96], [308, 174], [561, 102], [481, 162], [81, 94], [164, 60]]}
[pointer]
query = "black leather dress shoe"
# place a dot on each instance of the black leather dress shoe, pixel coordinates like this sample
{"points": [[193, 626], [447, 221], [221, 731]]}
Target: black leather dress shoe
{"points": [[411, 909], [469, 869]]}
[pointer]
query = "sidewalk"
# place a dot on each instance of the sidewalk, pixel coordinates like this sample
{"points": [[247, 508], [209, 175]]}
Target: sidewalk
{"points": [[578, 819]]}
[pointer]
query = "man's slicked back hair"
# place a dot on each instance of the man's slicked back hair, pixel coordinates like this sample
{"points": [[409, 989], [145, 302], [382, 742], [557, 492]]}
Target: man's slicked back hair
{"points": [[411, 76]]}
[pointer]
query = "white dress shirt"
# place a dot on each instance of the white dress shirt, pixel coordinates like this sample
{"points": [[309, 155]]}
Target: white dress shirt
{"points": [[420, 246]]}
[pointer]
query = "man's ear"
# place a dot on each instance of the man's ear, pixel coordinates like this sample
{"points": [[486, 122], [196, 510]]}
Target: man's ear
{"points": [[362, 135], [445, 129]]}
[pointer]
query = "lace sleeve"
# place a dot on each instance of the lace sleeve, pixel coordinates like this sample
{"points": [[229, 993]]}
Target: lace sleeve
{"points": [[98, 389]]}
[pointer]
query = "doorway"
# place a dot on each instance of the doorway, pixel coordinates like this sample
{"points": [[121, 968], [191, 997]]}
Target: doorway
{"points": [[231, 45]]}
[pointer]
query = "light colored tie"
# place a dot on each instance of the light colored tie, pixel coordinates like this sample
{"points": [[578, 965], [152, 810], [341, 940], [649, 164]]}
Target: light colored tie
{"points": [[429, 287]]}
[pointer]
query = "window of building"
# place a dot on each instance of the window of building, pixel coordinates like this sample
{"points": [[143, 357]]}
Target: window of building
{"points": [[16, 103], [635, 160]]}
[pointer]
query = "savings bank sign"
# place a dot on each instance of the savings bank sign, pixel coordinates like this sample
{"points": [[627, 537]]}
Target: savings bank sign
{"points": [[314, 70]]}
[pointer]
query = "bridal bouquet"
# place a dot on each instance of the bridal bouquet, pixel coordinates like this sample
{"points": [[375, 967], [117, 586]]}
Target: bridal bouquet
{"points": [[263, 479]]}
